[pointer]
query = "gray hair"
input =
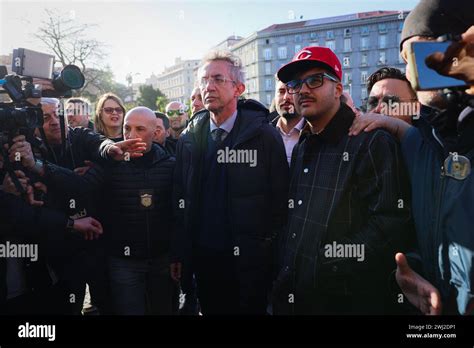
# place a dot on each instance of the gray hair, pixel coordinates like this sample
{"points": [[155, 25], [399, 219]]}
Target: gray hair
{"points": [[236, 69], [50, 101]]}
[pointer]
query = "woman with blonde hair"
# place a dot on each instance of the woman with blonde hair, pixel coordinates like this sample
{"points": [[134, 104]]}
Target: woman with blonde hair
{"points": [[109, 115]]}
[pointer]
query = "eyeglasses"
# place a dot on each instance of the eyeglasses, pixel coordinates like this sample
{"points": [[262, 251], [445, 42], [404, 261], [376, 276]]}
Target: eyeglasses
{"points": [[174, 113], [389, 100], [111, 110], [312, 82], [217, 80]]}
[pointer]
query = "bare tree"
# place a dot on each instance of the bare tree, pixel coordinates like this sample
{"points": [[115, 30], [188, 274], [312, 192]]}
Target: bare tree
{"points": [[69, 42]]}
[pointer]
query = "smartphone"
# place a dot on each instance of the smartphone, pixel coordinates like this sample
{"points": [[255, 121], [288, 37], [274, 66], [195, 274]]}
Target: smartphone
{"points": [[424, 78], [33, 64]]}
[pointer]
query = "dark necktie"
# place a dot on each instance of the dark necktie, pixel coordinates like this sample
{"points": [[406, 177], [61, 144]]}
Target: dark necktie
{"points": [[218, 135]]}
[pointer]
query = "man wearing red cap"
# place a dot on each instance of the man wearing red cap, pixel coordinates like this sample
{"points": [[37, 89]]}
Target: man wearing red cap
{"points": [[348, 209]]}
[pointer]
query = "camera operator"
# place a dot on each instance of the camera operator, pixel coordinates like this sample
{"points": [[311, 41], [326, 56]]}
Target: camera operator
{"points": [[443, 137], [72, 148]]}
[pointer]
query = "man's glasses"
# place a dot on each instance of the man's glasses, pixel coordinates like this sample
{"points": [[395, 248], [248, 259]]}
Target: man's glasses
{"points": [[390, 100], [312, 82], [174, 113], [111, 110], [217, 81]]}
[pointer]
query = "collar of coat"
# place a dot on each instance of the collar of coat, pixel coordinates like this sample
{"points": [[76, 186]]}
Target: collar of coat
{"points": [[335, 129], [251, 116]]}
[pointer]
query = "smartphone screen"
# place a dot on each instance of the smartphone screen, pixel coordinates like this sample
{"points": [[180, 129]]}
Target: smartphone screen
{"points": [[427, 78]]}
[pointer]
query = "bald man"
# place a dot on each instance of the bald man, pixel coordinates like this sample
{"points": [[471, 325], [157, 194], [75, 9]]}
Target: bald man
{"points": [[178, 116], [137, 219]]}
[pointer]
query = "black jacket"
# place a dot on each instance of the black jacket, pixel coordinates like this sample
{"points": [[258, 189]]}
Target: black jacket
{"points": [[257, 196], [82, 144], [136, 200], [348, 194], [28, 224]]}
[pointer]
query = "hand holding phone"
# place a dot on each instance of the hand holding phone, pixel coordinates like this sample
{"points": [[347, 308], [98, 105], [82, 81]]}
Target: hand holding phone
{"points": [[458, 60], [424, 77]]}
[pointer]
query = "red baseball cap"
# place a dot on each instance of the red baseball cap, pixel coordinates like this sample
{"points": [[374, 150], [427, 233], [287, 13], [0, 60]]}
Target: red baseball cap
{"points": [[311, 57]]}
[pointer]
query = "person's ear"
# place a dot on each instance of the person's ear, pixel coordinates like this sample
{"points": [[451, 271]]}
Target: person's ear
{"points": [[240, 89], [339, 90]]}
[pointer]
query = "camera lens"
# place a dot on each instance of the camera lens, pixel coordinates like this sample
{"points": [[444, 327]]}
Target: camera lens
{"points": [[70, 77]]}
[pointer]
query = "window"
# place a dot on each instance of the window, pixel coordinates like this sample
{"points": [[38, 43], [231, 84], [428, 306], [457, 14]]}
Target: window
{"points": [[347, 32], [382, 28], [347, 45], [267, 41], [269, 99], [347, 78], [297, 48], [313, 36], [400, 26], [282, 39], [363, 77], [364, 30], [267, 53], [363, 95], [268, 84], [268, 68], [364, 59], [282, 52], [331, 44], [330, 34], [382, 58], [346, 62], [364, 43], [298, 38], [383, 41]]}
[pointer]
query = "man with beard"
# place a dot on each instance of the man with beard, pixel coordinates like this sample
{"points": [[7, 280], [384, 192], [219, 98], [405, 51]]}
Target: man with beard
{"points": [[288, 123], [346, 221], [438, 151], [176, 112]]}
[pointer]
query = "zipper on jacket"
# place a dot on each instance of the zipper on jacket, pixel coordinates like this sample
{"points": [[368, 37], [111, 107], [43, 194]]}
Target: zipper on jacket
{"points": [[437, 231], [147, 219]]}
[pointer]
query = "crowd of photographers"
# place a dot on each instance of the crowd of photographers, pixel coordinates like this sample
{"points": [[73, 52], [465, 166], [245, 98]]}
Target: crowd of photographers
{"points": [[313, 208]]}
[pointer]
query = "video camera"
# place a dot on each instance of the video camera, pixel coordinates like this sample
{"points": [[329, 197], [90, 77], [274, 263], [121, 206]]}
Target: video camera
{"points": [[19, 116], [28, 64]]}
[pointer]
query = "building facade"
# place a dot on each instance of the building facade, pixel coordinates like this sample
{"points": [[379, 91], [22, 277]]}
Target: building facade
{"points": [[364, 42], [177, 81]]}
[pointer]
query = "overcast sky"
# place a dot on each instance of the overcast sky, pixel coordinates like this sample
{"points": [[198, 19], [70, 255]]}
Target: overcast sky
{"points": [[144, 36]]}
